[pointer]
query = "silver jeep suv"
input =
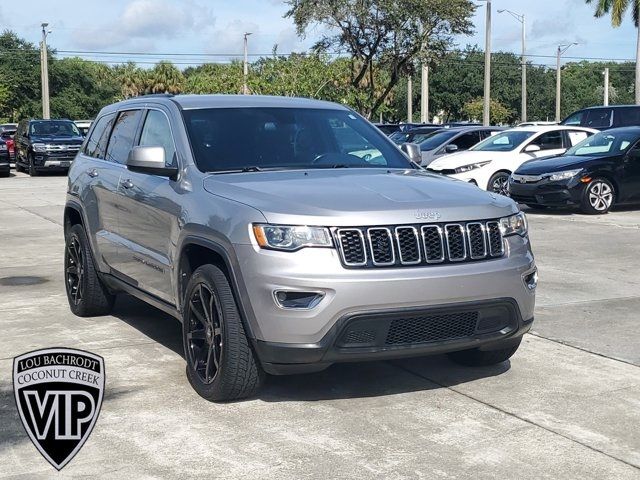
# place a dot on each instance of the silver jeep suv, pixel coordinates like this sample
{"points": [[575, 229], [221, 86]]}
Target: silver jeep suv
{"points": [[286, 235]]}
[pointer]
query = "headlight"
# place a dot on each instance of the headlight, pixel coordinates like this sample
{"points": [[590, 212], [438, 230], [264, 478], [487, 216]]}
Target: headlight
{"points": [[39, 147], [514, 225], [473, 166], [567, 174], [289, 238]]}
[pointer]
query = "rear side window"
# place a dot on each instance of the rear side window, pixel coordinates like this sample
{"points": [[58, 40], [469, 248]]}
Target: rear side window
{"points": [[576, 136], [123, 136], [627, 117], [156, 132], [598, 118], [97, 142], [549, 141]]}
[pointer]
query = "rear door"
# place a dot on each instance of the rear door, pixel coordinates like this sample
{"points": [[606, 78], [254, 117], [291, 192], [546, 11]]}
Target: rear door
{"points": [[98, 193], [626, 117], [150, 208], [630, 175]]}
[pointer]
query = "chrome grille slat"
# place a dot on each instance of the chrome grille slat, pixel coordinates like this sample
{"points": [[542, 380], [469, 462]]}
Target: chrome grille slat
{"points": [[381, 246], [456, 243], [408, 240], [413, 245], [433, 243]]}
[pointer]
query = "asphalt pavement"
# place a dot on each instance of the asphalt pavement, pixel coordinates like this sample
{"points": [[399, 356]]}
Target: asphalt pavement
{"points": [[566, 406]]}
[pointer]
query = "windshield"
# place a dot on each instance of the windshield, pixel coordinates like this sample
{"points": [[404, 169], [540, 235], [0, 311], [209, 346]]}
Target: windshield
{"points": [[434, 140], [54, 128], [503, 142], [604, 143], [236, 139]]}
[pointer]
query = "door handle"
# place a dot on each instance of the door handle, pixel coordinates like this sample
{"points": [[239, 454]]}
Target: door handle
{"points": [[93, 173], [127, 184]]}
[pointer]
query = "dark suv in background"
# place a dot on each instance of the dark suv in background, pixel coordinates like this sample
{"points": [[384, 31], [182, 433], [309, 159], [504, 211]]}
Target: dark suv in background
{"points": [[49, 145], [603, 118]]}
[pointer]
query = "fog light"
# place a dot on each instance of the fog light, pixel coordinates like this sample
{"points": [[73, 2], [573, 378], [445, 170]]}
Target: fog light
{"points": [[531, 279], [299, 300]]}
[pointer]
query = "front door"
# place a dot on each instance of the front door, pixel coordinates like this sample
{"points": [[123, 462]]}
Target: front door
{"points": [[149, 215]]}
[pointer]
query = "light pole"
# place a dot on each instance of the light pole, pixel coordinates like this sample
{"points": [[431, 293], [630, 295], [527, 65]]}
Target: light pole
{"points": [[245, 89], [606, 87], [486, 112], [522, 20], [561, 50], [44, 71]]}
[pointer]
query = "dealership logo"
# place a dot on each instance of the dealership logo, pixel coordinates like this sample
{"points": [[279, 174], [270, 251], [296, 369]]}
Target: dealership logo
{"points": [[58, 393]]}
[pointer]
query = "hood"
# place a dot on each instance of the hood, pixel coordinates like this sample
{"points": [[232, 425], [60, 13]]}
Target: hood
{"points": [[456, 160], [559, 163], [59, 140], [359, 197]]}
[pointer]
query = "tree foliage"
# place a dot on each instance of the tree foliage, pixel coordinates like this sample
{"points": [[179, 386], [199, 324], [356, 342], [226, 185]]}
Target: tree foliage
{"points": [[473, 111], [384, 35]]}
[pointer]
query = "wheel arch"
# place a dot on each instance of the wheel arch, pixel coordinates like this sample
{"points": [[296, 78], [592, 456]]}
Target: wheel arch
{"points": [[502, 170], [196, 251], [611, 178]]}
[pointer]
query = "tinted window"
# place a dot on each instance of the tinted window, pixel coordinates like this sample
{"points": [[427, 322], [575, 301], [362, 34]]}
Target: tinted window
{"points": [[123, 136], [238, 138], [503, 142], [53, 128], [97, 142], [466, 141], [156, 132], [549, 141], [434, 140], [627, 117], [598, 118], [574, 119]]}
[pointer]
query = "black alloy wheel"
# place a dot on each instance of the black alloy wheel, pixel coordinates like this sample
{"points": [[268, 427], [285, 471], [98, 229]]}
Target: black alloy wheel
{"points": [[74, 270], [204, 333]]}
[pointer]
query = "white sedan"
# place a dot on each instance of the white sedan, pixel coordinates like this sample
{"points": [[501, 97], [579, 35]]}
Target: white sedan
{"points": [[490, 163]]}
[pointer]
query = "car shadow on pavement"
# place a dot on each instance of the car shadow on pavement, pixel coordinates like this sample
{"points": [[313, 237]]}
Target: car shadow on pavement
{"points": [[340, 381], [12, 432]]}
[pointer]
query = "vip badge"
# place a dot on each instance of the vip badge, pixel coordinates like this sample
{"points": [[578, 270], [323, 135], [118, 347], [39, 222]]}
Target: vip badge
{"points": [[58, 393]]}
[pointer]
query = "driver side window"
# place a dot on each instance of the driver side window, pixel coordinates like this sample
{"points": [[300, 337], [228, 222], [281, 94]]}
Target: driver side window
{"points": [[156, 132], [549, 141], [352, 143]]}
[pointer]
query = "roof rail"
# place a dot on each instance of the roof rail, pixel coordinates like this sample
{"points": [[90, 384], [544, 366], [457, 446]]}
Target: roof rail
{"points": [[166, 95]]}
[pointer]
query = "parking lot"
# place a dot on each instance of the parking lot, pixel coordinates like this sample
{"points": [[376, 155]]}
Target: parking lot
{"points": [[566, 406]]}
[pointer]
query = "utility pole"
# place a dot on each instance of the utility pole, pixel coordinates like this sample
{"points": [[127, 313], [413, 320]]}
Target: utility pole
{"points": [[409, 100], [245, 88], [486, 114], [561, 50], [424, 96], [521, 18], [606, 87], [44, 72]]}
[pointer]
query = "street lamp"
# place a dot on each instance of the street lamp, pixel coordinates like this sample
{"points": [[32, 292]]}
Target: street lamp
{"points": [[44, 71], [522, 20], [561, 50], [245, 89]]}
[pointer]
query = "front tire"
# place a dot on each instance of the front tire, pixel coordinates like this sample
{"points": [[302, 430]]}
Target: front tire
{"points": [[87, 295], [498, 183], [480, 358], [597, 197], [32, 167], [221, 365]]}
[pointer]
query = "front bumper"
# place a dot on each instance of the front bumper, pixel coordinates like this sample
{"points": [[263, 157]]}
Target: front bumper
{"points": [[299, 336], [546, 193], [53, 161]]}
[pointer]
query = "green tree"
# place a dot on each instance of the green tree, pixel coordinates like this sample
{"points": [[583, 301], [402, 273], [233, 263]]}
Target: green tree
{"points": [[618, 8], [165, 77], [390, 35], [499, 113], [20, 73]]}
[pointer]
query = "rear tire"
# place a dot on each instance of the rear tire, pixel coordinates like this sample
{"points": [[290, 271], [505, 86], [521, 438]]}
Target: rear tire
{"points": [[18, 167], [479, 358], [597, 197], [221, 364], [87, 295]]}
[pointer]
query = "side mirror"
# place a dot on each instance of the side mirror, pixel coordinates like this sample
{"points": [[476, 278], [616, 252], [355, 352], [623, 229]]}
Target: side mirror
{"points": [[531, 149], [150, 160], [451, 148], [412, 151]]}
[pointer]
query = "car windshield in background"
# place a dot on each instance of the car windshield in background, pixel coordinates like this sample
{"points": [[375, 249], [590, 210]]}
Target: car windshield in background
{"points": [[503, 142], [434, 140], [251, 139], [605, 143], [54, 128]]}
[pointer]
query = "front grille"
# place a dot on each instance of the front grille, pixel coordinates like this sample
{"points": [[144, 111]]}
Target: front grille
{"points": [[431, 328], [408, 245]]}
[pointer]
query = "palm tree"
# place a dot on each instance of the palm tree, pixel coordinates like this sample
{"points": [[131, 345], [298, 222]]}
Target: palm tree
{"points": [[618, 8]]}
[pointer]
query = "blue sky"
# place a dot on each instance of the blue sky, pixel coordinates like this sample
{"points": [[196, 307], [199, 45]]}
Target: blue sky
{"points": [[216, 27]]}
